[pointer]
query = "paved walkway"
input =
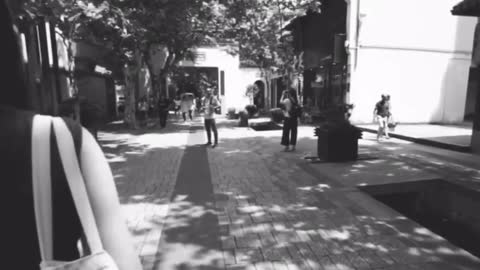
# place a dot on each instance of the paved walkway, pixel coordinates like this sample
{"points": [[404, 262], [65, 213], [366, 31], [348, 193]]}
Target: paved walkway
{"points": [[453, 137], [247, 205]]}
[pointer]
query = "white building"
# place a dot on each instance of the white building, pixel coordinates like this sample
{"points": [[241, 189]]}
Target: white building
{"points": [[417, 52], [233, 80]]}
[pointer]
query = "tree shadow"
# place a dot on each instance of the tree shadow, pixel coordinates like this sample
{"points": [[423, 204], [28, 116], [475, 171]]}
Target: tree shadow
{"points": [[313, 219], [266, 209]]}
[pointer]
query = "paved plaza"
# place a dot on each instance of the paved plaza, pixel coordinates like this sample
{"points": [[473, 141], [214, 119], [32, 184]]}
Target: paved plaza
{"points": [[247, 205]]}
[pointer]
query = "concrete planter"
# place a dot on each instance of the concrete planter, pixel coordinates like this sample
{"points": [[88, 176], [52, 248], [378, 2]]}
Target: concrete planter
{"points": [[243, 122], [276, 115], [337, 143]]}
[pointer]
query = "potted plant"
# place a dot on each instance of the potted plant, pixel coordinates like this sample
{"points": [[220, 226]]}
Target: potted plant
{"points": [[251, 110], [243, 122], [337, 137], [232, 113]]}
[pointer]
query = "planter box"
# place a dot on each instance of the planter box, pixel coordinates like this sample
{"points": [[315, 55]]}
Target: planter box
{"points": [[337, 145], [276, 115], [243, 122]]}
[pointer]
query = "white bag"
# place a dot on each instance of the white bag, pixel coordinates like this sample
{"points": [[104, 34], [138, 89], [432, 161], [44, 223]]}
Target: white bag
{"points": [[41, 177]]}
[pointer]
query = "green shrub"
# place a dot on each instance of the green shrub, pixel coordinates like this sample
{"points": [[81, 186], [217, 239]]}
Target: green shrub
{"points": [[251, 109]]}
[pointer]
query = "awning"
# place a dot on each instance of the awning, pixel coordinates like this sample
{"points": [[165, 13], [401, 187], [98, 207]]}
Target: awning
{"points": [[467, 8]]}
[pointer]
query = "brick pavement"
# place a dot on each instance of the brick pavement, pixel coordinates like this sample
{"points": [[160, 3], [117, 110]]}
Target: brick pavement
{"points": [[145, 165], [275, 210]]}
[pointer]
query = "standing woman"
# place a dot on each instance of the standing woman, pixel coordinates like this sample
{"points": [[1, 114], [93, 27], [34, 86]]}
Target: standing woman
{"points": [[19, 233], [176, 102], [290, 122]]}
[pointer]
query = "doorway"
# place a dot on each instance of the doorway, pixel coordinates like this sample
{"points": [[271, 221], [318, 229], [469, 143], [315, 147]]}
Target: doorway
{"points": [[259, 98]]}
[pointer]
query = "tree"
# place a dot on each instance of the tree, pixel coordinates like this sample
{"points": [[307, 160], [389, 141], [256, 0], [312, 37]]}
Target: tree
{"points": [[175, 25], [77, 20], [258, 28], [131, 28]]}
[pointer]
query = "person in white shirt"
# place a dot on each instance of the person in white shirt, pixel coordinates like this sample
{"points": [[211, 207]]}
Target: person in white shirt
{"points": [[290, 122], [209, 104], [186, 107], [177, 101]]}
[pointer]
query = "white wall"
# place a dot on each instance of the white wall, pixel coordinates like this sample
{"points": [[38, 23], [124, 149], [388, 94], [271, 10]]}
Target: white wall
{"points": [[417, 52], [246, 77], [236, 79]]}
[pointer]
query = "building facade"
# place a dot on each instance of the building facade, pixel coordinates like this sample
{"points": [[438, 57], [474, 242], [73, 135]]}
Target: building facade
{"points": [[232, 79], [416, 52]]}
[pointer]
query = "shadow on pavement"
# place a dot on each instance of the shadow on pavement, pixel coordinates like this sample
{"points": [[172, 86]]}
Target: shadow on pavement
{"points": [[258, 207], [314, 219]]}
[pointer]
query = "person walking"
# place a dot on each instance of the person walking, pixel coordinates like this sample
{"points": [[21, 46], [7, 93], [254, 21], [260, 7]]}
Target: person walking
{"points": [[163, 108], [177, 102], [198, 105], [186, 107], [381, 114], [209, 104], [290, 122], [26, 245]]}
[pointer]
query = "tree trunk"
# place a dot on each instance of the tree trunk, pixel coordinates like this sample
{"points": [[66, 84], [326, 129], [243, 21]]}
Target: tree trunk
{"points": [[153, 77], [131, 86], [130, 98], [266, 76]]}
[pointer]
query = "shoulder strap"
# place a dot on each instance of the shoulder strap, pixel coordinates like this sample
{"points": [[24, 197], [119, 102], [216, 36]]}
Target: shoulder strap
{"points": [[76, 184], [41, 182]]}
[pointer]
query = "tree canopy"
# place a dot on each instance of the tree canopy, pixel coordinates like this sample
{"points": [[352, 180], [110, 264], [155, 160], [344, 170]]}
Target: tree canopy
{"points": [[180, 25], [258, 28]]}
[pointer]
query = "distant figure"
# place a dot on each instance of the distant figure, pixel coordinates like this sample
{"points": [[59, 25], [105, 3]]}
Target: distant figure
{"points": [[290, 121], [151, 106], [163, 107], [143, 111], [176, 102], [193, 106], [209, 104], [381, 114], [391, 124], [198, 104], [308, 108], [186, 106]]}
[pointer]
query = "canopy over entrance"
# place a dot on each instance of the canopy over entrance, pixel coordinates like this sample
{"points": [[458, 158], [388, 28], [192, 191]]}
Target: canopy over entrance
{"points": [[467, 8]]}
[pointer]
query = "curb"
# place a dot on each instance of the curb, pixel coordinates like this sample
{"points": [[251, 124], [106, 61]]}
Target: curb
{"points": [[448, 146]]}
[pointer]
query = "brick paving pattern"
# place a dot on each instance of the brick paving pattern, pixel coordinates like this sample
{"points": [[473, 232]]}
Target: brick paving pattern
{"points": [[275, 210]]}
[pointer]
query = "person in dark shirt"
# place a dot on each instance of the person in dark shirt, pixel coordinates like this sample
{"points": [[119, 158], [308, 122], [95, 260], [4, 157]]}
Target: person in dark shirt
{"points": [[163, 108], [290, 121], [381, 114]]}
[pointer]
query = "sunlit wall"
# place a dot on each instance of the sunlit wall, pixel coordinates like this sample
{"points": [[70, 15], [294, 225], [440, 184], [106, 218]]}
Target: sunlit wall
{"points": [[417, 52]]}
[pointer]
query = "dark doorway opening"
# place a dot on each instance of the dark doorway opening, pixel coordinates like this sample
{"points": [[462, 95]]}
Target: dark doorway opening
{"points": [[259, 98], [447, 209]]}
